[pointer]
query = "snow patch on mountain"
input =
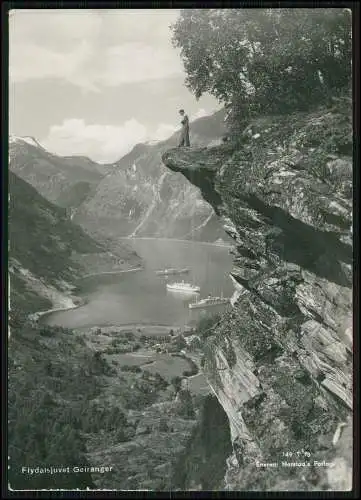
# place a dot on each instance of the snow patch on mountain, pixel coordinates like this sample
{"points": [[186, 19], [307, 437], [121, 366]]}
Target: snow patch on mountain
{"points": [[29, 140]]}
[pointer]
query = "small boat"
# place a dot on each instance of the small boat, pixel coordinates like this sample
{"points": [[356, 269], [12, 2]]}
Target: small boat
{"points": [[183, 287], [171, 271], [208, 302]]}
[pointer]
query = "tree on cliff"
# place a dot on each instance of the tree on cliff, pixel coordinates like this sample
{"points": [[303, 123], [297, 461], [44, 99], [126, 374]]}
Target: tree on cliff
{"points": [[265, 59]]}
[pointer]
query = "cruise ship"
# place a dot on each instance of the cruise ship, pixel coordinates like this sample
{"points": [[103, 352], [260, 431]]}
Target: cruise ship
{"points": [[183, 287], [171, 271], [208, 302]]}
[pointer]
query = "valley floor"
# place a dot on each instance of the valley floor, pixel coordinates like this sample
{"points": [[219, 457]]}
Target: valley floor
{"points": [[141, 418]]}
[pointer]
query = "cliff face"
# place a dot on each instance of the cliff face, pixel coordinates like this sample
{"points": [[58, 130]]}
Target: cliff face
{"points": [[280, 361]]}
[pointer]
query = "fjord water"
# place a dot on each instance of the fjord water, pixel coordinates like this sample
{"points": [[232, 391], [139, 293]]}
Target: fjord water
{"points": [[141, 297]]}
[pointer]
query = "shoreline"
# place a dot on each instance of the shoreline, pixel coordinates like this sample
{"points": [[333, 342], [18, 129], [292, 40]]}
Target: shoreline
{"points": [[40, 314], [81, 302], [183, 329]]}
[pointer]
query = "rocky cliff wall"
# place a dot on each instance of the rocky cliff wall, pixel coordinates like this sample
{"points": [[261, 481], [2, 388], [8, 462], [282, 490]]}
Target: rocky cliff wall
{"points": [[280, 362]]}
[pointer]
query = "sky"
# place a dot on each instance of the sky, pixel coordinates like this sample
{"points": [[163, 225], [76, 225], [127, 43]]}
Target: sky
{"points": [[96, 82]]}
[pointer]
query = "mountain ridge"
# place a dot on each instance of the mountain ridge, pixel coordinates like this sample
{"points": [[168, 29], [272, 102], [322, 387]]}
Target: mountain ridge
{"points": [[127, 197], [53, 176], [140, 197], [32, 141]]}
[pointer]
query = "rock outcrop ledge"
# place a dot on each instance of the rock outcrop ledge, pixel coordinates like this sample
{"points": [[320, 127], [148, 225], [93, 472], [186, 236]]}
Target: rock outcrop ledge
{"points": [[280, 362]]}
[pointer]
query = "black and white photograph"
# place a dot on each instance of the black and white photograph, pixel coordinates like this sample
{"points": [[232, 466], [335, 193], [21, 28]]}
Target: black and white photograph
{"points": [[180, 249]]}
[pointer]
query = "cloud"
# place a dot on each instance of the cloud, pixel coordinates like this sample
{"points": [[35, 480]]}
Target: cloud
{"points": [[136, 62], [56, 29], [103, 143], [164, 131], [199, 114], [34, 62], [126, 25], [91, 48]]}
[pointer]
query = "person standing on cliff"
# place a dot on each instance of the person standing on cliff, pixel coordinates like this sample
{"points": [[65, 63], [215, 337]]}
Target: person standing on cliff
{"points": [[184, 138]]}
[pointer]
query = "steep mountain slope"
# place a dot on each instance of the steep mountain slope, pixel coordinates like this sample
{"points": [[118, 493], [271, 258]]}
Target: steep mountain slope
{"points": [[140, 197], [45, 405], [280, 361], [48, 252], [59, 179]]}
